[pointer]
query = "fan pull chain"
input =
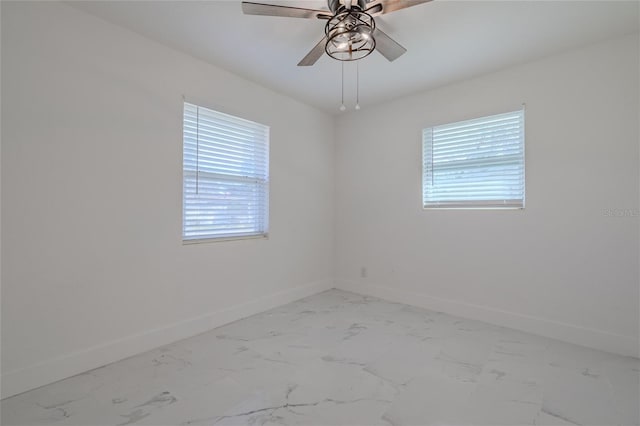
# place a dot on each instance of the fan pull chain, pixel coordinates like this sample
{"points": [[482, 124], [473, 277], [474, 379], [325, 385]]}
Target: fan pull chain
{"points": [[357, 86], [342, 107]]}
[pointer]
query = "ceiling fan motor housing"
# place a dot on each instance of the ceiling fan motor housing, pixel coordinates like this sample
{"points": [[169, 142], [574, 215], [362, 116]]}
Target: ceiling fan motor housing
{"points": [[335, 5]]}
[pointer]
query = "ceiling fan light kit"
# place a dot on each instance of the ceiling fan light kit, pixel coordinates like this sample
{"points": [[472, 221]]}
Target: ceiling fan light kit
{"points": [[349, 33]]}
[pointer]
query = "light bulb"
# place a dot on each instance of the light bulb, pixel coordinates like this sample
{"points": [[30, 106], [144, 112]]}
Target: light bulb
{"points": [[343, 108], [357, 107]]}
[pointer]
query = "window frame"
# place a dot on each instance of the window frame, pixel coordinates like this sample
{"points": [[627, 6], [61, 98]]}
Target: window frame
{"points": [[232, 177], [461, 204]]}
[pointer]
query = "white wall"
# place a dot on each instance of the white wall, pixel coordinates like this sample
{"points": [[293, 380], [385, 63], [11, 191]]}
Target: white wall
{"points": [[561, 267], [93, 268], [93, 265]]}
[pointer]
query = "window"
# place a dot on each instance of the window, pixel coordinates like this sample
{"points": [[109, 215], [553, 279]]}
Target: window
{"points": [[474, 164], [225, 176]]}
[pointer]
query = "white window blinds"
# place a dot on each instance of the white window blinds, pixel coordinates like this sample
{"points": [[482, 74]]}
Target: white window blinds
{"points": [[475, 164], [225, 176]]}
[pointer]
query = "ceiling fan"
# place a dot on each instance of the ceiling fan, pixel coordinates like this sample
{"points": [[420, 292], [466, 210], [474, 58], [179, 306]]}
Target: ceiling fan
{"points": [[351, 32]]}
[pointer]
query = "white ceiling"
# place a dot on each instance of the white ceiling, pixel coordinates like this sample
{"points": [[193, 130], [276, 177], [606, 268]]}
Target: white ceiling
{"points": [[446, 41]]}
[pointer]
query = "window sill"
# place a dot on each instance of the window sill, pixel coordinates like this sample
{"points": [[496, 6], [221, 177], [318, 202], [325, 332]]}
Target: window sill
{"points": [[473, 208], [223, 239]]}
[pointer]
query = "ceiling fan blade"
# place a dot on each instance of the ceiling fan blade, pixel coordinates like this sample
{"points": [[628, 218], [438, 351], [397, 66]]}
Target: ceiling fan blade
{"points": [[250, 8], [380, 7], [388, 47], [315, 54]]}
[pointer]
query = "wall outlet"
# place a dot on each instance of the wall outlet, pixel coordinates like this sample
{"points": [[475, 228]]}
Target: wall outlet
{"points": [[363, 272]]}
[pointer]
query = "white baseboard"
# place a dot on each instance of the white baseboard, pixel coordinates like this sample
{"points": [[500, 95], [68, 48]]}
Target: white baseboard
{"points": [[597, 339], [18, 381]]}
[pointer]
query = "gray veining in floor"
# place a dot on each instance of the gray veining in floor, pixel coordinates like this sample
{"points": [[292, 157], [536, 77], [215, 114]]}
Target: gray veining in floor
{"points": [[339, 358]]}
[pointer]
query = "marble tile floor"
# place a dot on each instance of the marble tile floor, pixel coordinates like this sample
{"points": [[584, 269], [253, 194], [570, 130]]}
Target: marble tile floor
{"points": [[338, 358]]}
